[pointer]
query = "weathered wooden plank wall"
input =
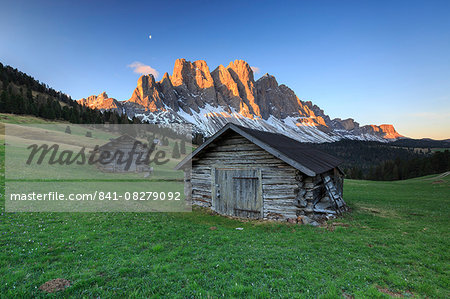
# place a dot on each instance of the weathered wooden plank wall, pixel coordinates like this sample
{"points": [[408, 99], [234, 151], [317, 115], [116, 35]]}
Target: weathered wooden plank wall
{"points": [[278, 182]]}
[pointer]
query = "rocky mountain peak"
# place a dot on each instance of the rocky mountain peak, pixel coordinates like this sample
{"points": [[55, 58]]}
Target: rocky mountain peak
{"points": [[193, 75], [202, 74], [225, 86], [165, 76], [102, 96], [268, 81], [101, 102], [209, 100], [146, 81], [180, 70], [242, 69], [346, 124], [242, 74], [389, 131], [146, 94], [145, 86]]}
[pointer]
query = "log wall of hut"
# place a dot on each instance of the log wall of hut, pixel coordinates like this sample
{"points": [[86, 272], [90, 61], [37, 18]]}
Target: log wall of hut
{"points": [[286, 192]]}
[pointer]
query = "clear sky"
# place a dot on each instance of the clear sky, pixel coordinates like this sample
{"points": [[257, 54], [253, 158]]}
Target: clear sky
{"points": [[375, 61]]}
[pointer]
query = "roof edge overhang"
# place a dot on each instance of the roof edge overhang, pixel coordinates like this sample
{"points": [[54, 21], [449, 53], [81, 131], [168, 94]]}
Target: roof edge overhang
{"points": [[201, 147], [263, 145]]}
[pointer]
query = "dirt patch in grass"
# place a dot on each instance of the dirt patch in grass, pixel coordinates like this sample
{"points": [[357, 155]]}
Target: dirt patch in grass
{"points": [[393, 294], [331, 226], [371, 210], [416, 214], [380, 212], [347, 296], [55, 285], [438, 182], [340, 224]]}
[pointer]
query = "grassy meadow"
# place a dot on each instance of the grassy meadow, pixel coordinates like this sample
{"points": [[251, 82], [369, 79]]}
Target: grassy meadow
{"points": [[394, 242], [84, 178]]}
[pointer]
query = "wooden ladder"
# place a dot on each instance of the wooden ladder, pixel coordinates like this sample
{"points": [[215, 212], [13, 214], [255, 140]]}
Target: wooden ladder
{"points": [[334, 194]]}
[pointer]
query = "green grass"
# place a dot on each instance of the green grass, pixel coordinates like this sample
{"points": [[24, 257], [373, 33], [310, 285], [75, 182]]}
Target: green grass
{"points": [[26, 130], [84, 178], [397, 239], [24, 119]]}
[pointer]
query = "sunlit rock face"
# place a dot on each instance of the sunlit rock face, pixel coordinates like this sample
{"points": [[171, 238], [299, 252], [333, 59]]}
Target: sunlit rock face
{"points": [[147, 95], [193, 84], [101, 102], [209, 100], [368, 132], [226, 89], [242, 74], [385, 131]]}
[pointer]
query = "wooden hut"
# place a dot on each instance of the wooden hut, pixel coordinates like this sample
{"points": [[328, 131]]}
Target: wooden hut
{"points": [[123, 154], [254, 174]]}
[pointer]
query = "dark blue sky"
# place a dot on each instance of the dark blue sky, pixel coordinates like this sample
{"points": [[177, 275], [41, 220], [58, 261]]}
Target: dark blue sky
{"points": [[375, 61]]}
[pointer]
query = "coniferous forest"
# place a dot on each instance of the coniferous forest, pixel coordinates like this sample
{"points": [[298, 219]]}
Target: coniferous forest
{"points": [[390, 170], [372, 160], [22, 94]]}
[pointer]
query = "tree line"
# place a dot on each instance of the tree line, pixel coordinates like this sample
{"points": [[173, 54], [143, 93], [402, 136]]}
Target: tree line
{"points": [[22, 94], [401, 169], [373, 160]]}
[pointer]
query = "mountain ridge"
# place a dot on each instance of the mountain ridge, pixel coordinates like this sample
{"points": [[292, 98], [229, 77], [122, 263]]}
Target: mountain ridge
{"points": [[210, 99]]}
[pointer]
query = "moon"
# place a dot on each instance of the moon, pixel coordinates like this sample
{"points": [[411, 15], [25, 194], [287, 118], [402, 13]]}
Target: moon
{"points": [[150, 37]]}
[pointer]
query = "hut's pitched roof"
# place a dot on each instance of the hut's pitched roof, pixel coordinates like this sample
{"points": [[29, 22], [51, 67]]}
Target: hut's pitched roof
{"points": [[308, 160]]}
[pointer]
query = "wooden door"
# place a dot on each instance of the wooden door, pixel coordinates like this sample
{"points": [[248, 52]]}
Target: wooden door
{"points": [[238, 192], [222, 201]]}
